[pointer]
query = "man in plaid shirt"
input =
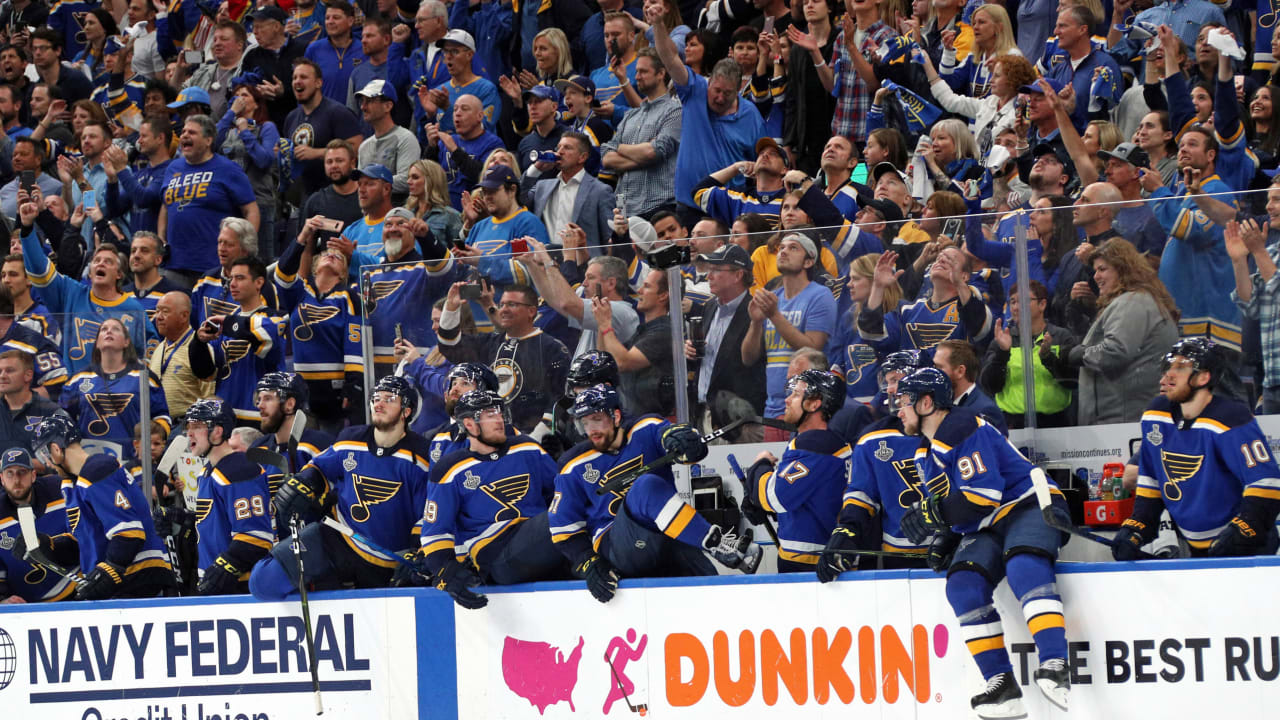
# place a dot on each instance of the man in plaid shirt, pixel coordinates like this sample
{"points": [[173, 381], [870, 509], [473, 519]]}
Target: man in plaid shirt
{"points": [[855, 79], [1258, 294]]}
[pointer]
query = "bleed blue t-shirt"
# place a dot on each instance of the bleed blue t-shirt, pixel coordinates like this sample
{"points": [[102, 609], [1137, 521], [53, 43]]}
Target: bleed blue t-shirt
{"points": [[196, 199], [813, 308], [710, 142]]}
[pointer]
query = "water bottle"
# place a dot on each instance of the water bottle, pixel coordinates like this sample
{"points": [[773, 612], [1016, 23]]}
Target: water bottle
{"points": [[1095, 487]]}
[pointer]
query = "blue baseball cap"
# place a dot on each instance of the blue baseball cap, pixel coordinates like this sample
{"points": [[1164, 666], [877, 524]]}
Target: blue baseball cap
{"points": [[542, 92], [1034, 87], [190, 95], [375, 171], [378, 89], [499, 175], [579, 82], [15, 457]]}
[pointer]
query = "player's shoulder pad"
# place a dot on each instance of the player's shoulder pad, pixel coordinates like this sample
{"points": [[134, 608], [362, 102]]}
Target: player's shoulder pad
{"points": [[823, 442], [577, 454], [1160, 404], [318, 439], [99, 467], [524, 444], [357, 433], [445, 466], [1224, 413], [415, 443], [882, 425], [637, 424], [235, 468], [959, 425]]}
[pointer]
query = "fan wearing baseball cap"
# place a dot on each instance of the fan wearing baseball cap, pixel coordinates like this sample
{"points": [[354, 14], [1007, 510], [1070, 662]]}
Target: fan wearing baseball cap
{"points": [[764, 198], [459, 50], [392, 69], [490, 239], [391, 146]]}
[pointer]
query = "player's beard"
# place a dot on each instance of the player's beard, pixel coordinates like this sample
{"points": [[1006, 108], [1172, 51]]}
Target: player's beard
{"points": [[385, 425], [1180, 393], [607, 443], [269, 424]]}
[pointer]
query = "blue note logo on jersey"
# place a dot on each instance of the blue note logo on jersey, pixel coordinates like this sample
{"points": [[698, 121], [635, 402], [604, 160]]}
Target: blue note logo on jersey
{"points": [[507, 492], [105, 406], [235, 350], [214, 306], [370, 491], [310, 315], [1178, 467], [385, 288], [860, 358], [926, 335], [510, 377], [86, 331], [73, 518], [203, 506]]}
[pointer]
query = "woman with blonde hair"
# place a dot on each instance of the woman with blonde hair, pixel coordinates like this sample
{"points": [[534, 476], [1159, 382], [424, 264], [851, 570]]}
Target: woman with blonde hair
{"points": [[993, 113], [992, 37], [1137, 322], [429, 200], [553, 62], [950, 152], [850, 356]]}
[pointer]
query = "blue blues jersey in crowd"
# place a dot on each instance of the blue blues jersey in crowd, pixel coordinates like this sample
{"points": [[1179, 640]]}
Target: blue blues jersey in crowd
{"points": [[81, 311], [1205, 470], [18, 577], [108, 406], [884, 483], [399, 298], [233, 514], [580, 517], [46, 358], [39, 318], [67, 18], [804, 490], [379, 492], [323, 328], [445, 439], [920, 325], [211, 296], [855, 361], [111, 520], [984, 475], [492, 237], [475, 498], [248, 348]]}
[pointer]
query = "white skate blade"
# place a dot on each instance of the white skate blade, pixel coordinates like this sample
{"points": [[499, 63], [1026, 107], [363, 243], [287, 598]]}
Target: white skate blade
{"points": [[1053, 693], [1009, 709]]}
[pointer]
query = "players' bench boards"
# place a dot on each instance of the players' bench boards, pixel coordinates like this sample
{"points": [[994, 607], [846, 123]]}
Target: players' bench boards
{"points": [[1174, 639]]}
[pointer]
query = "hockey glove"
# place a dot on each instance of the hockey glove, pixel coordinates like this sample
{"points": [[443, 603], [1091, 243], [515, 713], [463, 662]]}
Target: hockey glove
{"points": [[751, 509], [602, 579], [102, 583], [414, 574], [838, 555], [44, 545], [220, 578], [457, 579], [172, 521], [297, 497], [923, 519], [942, 550], [1128, 541], [685, 442], [1239, 538]]}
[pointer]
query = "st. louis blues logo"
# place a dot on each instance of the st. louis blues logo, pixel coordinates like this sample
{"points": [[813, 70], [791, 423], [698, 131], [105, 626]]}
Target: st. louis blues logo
{"points": [[370, 491], [105, 406], [309, 315], [507, 492], [214, 306]]}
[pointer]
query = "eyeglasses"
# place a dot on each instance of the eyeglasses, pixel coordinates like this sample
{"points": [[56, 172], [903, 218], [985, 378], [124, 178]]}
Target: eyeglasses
{"points": [[514, 304]]}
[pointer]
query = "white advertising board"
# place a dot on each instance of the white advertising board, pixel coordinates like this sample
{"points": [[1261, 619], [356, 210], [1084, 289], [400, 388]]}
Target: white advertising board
{"points": [[208, 661]]}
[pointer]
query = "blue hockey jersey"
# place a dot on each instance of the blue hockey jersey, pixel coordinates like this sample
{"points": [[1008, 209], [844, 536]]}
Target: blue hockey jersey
{"points": [[46, 358], [580, 517], [111, 520], [804, 492], [212, 296], [985, 475], [324, 328], [380, 492], [1204, 470], [248, 348], [233, 518], [475, 499], [855, 361], [400, 296], [108, 406], [884, 483], [18, 577], [445, 439]]}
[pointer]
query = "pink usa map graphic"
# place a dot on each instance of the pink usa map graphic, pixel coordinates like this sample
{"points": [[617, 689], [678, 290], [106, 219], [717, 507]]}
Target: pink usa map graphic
{"points": [[544, 674]]}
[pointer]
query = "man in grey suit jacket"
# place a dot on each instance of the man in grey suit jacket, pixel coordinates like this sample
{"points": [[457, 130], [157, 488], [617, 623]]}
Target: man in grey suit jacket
{"points": [[573, 200]]}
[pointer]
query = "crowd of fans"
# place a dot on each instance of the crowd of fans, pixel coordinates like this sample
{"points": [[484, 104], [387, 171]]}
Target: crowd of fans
{"points": [[202, 195]]}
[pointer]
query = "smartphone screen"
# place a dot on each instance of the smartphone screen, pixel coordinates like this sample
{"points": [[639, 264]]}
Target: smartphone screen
{"points": [[768, 25], [28, 180], [193, 57], [519, 245], [90, 199]]}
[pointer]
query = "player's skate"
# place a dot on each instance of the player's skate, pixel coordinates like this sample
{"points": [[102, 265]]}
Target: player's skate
{"points": [[1054, 680], [1001, 699], [733, 550]]}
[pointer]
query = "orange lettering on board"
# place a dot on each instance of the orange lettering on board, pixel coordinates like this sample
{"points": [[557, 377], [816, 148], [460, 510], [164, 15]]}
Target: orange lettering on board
{"points": [[677, 647], [775, 665], [828, 666], [867, 663], [734, 693], [895, 661], [920, 650]]}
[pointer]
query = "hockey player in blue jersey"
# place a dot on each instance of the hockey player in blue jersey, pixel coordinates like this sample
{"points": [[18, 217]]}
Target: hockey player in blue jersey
{"points": [[462, 379], [239, 348], [106, 399], [120, 553], [375, 478], [279, 396], [20, 579], [644, 529], [983, 522], [1205, 459], [486, 512], [803, 488], [233, 516], [591, 368]]}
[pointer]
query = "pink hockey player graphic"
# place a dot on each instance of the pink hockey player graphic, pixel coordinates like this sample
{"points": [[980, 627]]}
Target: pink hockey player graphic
{"points": [[540, 673]]}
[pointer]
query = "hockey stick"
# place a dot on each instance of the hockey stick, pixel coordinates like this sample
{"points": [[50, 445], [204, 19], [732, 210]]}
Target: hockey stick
{"points": [[295, 436], [642, 708], [1041, 484], [882, 553], [169, 461], [330, 522], [36, 554], [263, 456], [627, 478], [296, 545], [742, 478]]}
